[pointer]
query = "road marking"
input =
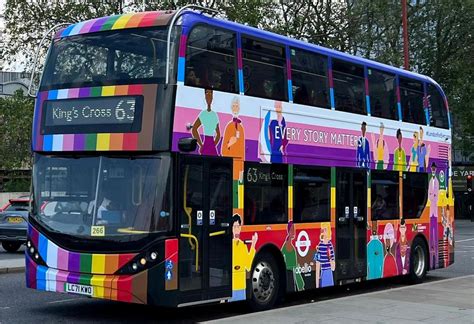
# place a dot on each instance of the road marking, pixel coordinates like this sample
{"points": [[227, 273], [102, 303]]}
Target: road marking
{"points": [[61, 301], [469, 239], [4, 307]]}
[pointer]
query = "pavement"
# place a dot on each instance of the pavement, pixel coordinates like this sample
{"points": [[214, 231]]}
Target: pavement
{"points": [[434, 302]]}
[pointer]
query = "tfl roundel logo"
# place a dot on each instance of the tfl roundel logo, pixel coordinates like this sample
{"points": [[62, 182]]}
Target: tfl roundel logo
{"points": [[303, 243]]}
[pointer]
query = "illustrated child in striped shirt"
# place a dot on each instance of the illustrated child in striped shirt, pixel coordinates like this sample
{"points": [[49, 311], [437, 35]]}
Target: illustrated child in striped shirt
{"points": [[324, 258]]}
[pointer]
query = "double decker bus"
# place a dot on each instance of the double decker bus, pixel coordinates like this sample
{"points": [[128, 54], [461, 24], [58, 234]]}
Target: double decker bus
{"points": [[183, 159]]}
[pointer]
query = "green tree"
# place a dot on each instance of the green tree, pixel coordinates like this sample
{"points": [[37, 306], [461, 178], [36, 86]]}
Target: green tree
{"points": [[16, 117]]}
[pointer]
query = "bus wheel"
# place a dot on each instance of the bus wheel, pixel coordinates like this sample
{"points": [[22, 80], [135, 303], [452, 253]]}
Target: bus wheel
{"points": [[418, 261], [11, 246], [265, 282]]}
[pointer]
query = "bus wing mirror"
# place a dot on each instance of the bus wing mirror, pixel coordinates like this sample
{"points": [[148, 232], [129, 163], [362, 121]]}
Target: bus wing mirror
{"points": [[187, 144]]}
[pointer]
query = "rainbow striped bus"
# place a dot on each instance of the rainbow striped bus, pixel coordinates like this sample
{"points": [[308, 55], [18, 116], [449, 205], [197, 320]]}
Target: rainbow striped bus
{"points": [[182, 159]]}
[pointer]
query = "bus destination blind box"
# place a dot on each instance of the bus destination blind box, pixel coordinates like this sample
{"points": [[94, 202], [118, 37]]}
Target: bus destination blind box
{"points": [[118, 114]]}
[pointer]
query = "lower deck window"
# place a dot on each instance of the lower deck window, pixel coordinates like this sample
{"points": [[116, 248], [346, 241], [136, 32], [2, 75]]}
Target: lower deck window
{"points": [[265, 197], [415, 194], [385, 195]]}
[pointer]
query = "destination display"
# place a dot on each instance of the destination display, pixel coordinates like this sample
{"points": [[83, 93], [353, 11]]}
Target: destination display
{"points": [[93, 115]]}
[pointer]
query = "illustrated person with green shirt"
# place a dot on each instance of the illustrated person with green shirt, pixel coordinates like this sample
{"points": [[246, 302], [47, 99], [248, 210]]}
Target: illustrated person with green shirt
{"points": [[291, 258], [209, 121], [399, 156]]}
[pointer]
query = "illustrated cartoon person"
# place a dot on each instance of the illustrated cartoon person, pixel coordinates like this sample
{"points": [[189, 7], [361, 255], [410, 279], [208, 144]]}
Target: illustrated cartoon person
{"points": [[423, 153], [399, 156], [381, 150], [389, 264], [413, 164], [233, 144], [447, 233], [209, 121], [291, 259], [375, 255], [363, 149], [241, 259], [433, 193], [324, 258], [276, 131], [403, 250]]}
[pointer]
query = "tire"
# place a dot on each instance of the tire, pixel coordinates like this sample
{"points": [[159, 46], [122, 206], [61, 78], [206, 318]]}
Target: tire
{"points": [[418, 261], [265, 283], [11, 246]]}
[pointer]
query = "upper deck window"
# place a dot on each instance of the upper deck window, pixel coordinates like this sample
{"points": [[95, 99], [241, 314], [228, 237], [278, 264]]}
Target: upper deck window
{"points": [[438, 110], [211, 60], [383, 100], [309, 78], [107, 58], [264, 66], [411, 96], [349, 87]]}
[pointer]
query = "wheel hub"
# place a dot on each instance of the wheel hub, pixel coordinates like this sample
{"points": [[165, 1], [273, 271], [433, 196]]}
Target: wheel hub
{"points": [[263, 282]]}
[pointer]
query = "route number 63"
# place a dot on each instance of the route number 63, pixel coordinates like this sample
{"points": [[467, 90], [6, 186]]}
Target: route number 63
{"points": [[252, 175]]}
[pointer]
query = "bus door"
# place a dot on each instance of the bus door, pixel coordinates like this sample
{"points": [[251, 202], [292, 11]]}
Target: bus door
{"points": [[205, 214], [351, 224]]}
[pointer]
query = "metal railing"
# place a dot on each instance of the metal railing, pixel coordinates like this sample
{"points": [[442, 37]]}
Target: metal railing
{"points": [[172, 23], [30, 86]]}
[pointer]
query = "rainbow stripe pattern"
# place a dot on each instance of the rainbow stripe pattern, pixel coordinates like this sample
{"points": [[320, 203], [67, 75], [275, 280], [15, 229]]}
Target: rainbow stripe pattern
{"points": [[125, 21], [399, 102], [182, 54], [331, 84], [95, 270], [96, 141], [288, 71]]}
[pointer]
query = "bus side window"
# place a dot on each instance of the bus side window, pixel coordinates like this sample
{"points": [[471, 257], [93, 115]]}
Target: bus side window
{"points": [[265, 193], [438, 110], [264, 66], [385, 195], [411, 96], [415, 194], [311, 194], [383, 100], [309, 78], [211, 59], [349, 87]]}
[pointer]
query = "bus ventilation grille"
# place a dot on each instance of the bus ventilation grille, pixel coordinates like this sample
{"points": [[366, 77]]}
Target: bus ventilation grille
{"points": [[443, 151], [443, 251]]}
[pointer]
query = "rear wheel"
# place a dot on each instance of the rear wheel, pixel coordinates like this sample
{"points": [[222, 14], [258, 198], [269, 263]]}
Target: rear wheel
{"points": [[418, 261], [265, 287], [11, 246]]}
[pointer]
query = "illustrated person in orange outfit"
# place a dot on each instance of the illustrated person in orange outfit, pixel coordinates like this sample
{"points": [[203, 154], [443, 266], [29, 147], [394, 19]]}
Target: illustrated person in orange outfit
{"points": [[233, 144], [241, 259]]}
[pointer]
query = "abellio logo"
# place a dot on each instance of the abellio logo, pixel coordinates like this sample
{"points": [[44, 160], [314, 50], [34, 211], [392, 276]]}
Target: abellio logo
{"points": [[303, 243], [306, 268]]}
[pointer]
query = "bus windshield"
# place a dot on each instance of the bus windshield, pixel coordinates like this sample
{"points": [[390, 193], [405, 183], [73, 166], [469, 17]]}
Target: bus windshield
{"points": [[104, 197], [107, 58]]}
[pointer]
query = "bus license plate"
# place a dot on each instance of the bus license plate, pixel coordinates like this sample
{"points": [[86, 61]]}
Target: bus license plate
{"points": [[15, 220], [79, 289]]}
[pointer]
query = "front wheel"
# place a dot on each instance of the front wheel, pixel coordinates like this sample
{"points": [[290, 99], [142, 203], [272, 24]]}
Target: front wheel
{"points": [[265, 286], [418, 261], [11, 246]]}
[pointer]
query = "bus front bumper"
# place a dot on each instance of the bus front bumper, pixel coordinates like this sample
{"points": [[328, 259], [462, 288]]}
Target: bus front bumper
{"points": [[124, 288]]}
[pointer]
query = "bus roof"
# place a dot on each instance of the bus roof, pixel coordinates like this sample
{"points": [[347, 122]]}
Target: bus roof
{"points": [[124, 21], [161, 18]]}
